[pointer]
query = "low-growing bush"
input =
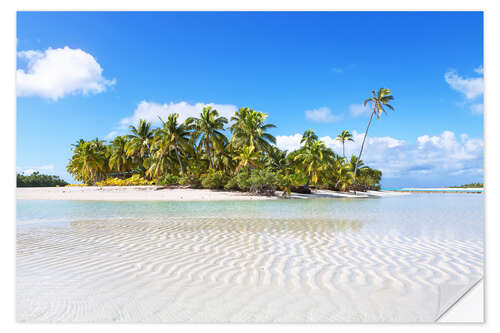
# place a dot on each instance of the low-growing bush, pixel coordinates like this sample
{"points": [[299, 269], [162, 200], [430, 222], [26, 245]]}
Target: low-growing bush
{"points": [[264, 182], [190, 180], [135, 180], [240, 182], [214, 180], [258, 181], [169, 180]]}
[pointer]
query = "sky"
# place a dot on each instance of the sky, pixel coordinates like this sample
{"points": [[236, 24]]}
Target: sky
{"points": [[88, 75]]}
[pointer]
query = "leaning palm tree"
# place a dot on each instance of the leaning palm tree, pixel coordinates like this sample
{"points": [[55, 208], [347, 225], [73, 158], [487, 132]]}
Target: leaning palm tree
{"points": [[208, 128], [343, 137], [380, 100]]}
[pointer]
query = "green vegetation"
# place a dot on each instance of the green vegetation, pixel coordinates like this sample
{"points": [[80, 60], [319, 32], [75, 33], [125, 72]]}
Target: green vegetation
{"points": [[471, 185], [39, 180], [197, 153]]}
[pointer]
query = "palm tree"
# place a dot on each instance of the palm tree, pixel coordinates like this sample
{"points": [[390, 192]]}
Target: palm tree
{"points": [[343, 137], [224, 159], [312, 161], [276, 159], [380, 100], [139, 142], [248, 157], [89, 163], [118, 158], [208, 128], [308, 138], [158, 163], [249, 129], [352, 164], [173, 136]]}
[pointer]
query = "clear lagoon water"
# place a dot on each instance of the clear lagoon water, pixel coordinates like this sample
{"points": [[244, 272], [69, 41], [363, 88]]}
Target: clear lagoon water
{"points": [[444, 215], [403, 258]]}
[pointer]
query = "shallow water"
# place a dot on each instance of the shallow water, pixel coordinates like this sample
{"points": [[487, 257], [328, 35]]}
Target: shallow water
{"points": [[396, 259]]}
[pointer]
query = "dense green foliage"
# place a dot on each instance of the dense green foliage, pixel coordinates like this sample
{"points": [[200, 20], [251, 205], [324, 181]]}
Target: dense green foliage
{"points": [[39, 180], [471, 185], [197, 153]]}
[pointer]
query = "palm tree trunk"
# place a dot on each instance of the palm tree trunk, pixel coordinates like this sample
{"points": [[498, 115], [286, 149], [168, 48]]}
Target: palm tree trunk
{"points": [[207, 144], [179, 159], [361, 150], [309, 179]]}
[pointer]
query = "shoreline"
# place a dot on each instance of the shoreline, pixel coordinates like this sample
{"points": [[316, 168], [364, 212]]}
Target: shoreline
{"points": [[160, 193]]}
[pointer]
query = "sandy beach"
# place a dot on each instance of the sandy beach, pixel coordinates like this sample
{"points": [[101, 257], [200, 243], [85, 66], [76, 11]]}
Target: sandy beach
{"points": [[159, 193]]}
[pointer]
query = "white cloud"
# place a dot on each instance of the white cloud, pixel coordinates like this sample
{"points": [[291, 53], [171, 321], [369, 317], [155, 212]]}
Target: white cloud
{"points": [[470, 87], [29, 171], [55, 73], [477, 108], [111, 135], [150, 111], [441, 155], [288, 142], [479, 70], [322, 114], [357, 110]]}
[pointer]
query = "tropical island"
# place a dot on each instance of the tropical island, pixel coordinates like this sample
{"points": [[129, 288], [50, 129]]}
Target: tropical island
{"points": [[197, 154], [471, 185], [36, 179]]}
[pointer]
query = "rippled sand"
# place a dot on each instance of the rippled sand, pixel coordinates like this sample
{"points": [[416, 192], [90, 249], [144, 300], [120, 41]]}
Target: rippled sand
{"points": [[236, 270]]}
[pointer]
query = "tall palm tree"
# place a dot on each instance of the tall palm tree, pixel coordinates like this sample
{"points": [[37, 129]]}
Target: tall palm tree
{"points": [[118, 158], [139, 142], [249, 129], [208, 129], [308, 138], [174, 136], [379, 101], [344, 136]]}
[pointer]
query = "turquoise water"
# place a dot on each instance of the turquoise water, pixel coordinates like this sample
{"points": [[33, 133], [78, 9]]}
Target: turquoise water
{"points": [[413, 189], [454, 216]]}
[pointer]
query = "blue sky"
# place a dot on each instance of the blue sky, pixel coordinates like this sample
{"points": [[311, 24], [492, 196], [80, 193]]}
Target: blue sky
{"points": [[87, 75]]}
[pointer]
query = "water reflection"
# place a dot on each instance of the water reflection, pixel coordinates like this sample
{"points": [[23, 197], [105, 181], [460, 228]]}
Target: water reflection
{"points": [[222, 225]]}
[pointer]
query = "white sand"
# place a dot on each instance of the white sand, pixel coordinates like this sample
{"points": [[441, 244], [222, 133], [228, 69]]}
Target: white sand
{"points": [[155, 193], [236, 270]]}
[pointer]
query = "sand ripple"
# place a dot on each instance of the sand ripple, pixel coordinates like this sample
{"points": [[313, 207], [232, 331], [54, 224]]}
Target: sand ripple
{"points": [[236, 270]]}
